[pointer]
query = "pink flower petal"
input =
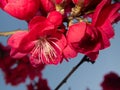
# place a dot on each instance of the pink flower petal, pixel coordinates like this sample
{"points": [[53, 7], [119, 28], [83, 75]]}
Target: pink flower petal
{"points": [[69, 52], [41, 29], [26, 45], [98, 10], [110, 10], [47, 5], [107, 29], [3, 3], [21, 41], [104, 40], [39, 26], [60, 39], [36, 20], [17, 7], [93, 55], [90, 42], [15, 40], [115, 17], [15, 54], [76, 32], [55, 18]]}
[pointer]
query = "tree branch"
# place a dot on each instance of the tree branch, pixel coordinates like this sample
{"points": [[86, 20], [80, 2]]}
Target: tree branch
{"points": [[84, 59], [9, 32]]}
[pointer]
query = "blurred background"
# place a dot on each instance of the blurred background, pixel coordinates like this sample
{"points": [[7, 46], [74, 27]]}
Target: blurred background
{"points": [[86, 76]]}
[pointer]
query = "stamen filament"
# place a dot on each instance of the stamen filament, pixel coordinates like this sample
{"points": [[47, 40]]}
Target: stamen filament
{"points": [[45, 50]]}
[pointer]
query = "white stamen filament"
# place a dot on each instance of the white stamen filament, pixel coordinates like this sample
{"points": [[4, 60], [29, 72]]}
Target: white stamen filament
{"points": [[44, 51]]}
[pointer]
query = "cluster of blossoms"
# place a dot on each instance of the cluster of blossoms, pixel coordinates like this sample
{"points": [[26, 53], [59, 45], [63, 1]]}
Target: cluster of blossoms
{"points": [[17, 71], [60, 29]]}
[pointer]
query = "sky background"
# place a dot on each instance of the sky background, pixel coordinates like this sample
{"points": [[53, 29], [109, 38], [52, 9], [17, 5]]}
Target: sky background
{"points": [[86, 76]]}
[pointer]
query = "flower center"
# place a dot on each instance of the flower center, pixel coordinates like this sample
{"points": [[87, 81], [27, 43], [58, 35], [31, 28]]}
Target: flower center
{"points": [[45, 50]]}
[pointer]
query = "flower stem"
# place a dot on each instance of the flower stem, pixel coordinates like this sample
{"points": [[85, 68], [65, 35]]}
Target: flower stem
{"points": [[85, 58]]}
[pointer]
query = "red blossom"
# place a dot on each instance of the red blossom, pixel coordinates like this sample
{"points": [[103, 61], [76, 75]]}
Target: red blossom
{"points": [[17, 70], [90, 38], [69, 52], [44, 43], [5, 61], [20, 70], [4, 51], [84, 39], [40, 85], [16, 75], [30, 87], [17, 7], [111, 82]]}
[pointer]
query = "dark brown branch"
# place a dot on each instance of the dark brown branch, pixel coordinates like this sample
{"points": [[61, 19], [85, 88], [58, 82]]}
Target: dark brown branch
{"points": [[85, 58]]}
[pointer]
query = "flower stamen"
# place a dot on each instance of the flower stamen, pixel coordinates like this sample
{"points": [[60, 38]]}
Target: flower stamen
{"points": [[45, 50]]}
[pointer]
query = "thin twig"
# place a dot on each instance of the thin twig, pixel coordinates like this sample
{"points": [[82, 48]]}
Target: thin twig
{"points": [[9, 32], [85, 58]]}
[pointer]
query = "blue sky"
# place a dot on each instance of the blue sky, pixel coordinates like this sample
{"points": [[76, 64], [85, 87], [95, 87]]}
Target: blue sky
{"points": [[88, 75]]}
